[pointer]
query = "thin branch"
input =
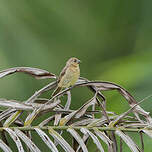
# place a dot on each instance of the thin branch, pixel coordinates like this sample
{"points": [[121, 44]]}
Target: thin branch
{"points": [[121, 144], [117, 120], [31, 128], [3, 135], [142, 141]]}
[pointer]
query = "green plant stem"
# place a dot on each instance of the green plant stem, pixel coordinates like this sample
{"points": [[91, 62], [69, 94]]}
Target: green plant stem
{"points": [[29, 128]]}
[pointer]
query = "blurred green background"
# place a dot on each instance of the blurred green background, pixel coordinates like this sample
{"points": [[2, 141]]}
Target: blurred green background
{"points": [[112, 39]]}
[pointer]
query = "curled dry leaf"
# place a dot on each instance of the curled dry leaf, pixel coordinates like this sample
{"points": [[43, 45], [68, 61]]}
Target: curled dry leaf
{"points": [[57, 137], [6, 113], [35, 72], [14, 104], [67, 118], [4, 147], [12, 118], [133, 147], [100, 122], [85, 140], [57, 119], [41, 91], [104, 138], [36, 111], [15, 114], [78, 139], [83, 109], [46, 140], [105, 86], [46, 121], [148, 132], [84, 122], [94, 138], [27, 141], [78, 113], [16, 139], [68, 103]]}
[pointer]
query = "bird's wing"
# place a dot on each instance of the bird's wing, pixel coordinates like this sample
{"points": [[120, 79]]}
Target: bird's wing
{"points": [[62, 73]]}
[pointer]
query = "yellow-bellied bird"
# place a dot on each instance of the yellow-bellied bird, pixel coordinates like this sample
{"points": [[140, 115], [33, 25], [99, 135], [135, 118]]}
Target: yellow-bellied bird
{"points": [[69, 75]]}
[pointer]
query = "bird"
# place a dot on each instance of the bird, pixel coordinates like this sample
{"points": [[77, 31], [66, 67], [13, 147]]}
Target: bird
{"points": [[69, 75]]}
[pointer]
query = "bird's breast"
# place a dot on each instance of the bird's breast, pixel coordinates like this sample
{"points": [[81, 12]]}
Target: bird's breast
{"points": [[70, 77]]}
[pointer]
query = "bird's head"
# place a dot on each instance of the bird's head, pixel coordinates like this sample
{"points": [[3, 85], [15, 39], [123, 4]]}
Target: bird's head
{"points": [[73, 61]]}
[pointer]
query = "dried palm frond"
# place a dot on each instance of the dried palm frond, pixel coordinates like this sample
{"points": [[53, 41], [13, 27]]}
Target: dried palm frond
{"points": [[80, 124]]}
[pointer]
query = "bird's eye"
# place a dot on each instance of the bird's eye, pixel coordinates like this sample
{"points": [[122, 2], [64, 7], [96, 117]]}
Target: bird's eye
{"points": [[75, 60]]}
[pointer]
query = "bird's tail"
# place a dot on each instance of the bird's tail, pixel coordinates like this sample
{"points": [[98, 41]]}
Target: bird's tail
{"points": [[56, 91]]}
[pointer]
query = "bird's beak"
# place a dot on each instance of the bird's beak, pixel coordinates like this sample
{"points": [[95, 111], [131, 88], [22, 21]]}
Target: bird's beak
{"points": [[79, 61]]}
